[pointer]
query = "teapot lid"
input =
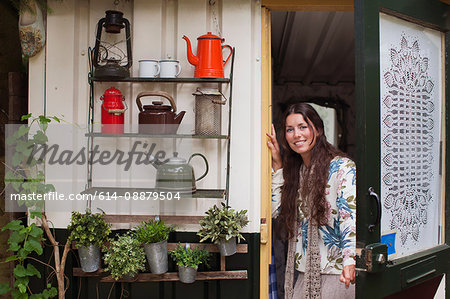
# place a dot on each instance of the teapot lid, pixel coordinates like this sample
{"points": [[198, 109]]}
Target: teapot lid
{"points": [[175, 160], [157, 105], [209, 35]]}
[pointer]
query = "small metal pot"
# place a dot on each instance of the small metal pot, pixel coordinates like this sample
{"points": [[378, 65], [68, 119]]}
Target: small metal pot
{"points": [[187, 274], [89, 258], [227, 248], [157, 257]]}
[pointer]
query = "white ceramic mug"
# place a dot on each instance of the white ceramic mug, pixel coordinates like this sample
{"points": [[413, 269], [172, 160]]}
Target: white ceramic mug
{"points": [[149, 68], [170, 68]]}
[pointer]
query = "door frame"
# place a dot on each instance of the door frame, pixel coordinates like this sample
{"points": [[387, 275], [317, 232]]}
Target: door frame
{"points": [[266, 115]]}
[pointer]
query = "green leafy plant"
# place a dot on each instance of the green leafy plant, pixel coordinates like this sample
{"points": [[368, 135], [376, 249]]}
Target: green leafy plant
{"points": [[189, 257], [29, 5], [24, 240], [124, 256], [152, 231], [26, 178], [86, 229], [222, 223]]}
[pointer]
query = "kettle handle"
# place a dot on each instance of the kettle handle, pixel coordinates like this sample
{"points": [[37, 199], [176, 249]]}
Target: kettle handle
{"points": [[206, 163], [155, 93], [231, 52]]}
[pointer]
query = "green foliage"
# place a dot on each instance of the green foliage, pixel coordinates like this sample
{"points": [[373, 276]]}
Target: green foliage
{"points": [[87, 229], [27, 6], [24, 240], [222, 224], [25, 175], [189, 257], [124, 256], [152, 231]]}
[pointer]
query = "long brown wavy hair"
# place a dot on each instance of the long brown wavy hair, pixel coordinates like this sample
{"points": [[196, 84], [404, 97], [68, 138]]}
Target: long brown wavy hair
{"points": [[313, 185]]}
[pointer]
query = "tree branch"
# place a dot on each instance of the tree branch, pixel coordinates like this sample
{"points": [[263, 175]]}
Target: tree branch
{"points": [[35, 259]]}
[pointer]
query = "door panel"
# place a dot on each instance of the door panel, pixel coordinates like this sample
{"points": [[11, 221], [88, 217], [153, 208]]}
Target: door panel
{"points": [[400, 87], [410, 102]]}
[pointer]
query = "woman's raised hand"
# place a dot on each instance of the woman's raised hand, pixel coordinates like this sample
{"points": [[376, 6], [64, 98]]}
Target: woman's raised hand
{"points": [[275, 149]]}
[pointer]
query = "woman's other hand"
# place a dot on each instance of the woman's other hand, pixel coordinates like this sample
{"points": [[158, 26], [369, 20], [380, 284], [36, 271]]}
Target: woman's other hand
{"points": [[348, 275], [275, 149]]}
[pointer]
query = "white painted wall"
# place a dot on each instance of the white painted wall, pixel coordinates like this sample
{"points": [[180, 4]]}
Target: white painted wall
{"points": [[59, 86]]}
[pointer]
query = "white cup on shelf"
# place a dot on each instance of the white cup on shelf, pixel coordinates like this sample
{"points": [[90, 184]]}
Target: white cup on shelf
{"points": [[170, 68], [149, 68]]}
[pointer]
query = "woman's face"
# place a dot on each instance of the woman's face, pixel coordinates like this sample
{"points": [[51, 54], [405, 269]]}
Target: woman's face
{"points": [[300, 136]]}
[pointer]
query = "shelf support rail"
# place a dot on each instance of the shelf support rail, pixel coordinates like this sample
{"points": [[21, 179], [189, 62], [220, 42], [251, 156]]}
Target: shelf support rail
{"points": [[230, 102]]}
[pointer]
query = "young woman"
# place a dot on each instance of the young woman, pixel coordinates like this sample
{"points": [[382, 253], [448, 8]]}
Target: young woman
{"points": [[314, 196]]}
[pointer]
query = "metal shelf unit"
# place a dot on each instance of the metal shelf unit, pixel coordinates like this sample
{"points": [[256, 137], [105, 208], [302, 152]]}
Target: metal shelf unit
{"points": [[205, 193]]}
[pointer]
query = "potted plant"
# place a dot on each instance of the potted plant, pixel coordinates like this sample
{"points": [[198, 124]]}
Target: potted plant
{"points": [[154, 234], [187, 260], [124, 257], [89, 232], [223, 225]]}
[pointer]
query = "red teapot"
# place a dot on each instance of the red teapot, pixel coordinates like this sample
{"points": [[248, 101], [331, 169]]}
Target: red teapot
{"points": [[209, 61]]}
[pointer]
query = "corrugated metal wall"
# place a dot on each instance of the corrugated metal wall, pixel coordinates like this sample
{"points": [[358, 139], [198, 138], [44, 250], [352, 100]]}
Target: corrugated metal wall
{"points": [[59, 86]]}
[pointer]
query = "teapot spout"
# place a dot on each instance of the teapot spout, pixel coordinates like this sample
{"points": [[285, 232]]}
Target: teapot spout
{"points": [[191, 57], [179, 117]]}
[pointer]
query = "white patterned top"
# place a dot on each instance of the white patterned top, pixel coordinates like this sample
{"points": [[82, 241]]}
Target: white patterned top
{"points": [[337, 239]]}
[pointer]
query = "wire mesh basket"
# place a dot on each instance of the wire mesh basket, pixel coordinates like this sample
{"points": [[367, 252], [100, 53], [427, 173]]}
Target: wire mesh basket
{"points": [[208, 111]]}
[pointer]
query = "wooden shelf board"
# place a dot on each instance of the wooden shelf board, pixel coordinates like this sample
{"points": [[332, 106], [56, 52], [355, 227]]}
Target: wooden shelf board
{"points": [[240, 248], [169, 276]]}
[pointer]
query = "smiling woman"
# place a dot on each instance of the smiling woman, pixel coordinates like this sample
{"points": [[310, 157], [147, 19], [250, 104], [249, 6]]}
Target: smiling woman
{"points": [[314, 195]]}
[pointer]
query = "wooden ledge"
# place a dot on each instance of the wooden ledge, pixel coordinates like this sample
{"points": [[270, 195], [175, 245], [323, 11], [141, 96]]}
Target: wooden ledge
{"points": [[240, 248], [169, 276]]}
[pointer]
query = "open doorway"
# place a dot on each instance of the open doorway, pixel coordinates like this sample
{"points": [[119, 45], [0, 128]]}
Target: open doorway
{"points": [[313, 61]]}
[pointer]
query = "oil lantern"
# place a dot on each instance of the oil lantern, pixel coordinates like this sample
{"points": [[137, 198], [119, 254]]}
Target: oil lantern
{"points": [[113, 109], [110, 61]]}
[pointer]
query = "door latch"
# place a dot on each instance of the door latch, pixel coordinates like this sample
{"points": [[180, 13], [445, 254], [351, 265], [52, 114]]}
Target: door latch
{"points": [[374, 257]]}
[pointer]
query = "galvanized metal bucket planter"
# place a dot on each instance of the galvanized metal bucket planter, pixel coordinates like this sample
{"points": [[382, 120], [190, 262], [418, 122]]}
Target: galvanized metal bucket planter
{"points": [[157, 257], [227, 248], [89, 258], [187, 274]]}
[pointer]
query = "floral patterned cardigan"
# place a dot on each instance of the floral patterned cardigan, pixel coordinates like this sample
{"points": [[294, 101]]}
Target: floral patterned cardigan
{"points": [[337, 238]]}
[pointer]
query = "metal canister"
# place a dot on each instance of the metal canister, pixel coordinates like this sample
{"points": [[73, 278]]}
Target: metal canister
{"points": [[113, 109], [208, 111]]}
